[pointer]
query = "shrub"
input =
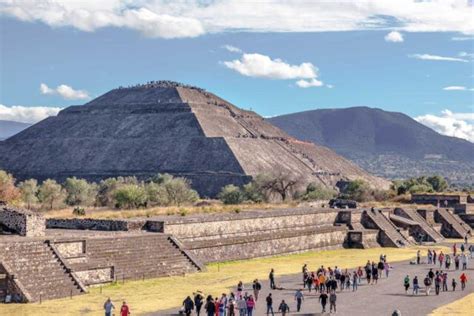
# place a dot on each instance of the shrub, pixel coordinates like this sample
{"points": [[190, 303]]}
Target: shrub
{"points": [[315, 192], [358, 190], [231, 194], [179, 191], [8, 192], [130, 196], [80, 192], [79, 211], [29, 192], [51, 194]]}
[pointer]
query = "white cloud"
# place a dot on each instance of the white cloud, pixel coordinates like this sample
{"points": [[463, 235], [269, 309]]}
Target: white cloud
{"points": [[466, 54], [451, 124], [455, 88], [310, 83], [394, 36], [26, 114], [232, 49], [437, 58], [64, 91], [262, 66], [174, 19], [462, 38]]}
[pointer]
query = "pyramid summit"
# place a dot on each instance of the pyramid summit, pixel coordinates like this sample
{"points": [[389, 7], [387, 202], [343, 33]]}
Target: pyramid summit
{"points": [[168, 127]]}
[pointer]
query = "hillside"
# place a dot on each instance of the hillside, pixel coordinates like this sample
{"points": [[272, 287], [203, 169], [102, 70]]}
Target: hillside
{"points": [[169, 127], [10, 128], [388, 144]]}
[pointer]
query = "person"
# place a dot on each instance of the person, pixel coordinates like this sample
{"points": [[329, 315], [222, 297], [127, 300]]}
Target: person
{"points": [[124, 310], [223, 308], [396, 313], [418, 257], [240, 288], [463, 279], [284, 308], [386, 267], [188, 305], [462, 248], [471, 251], [427, 282], [309, 281], [453, 284], [271, 277], [354, 281], [257, 286], [270, 304], [454, 249], [332, 301], [322, 282], [447, 261], [198, 301], [416, 287], [299, 298], [323, 299], [437, 284], [434, 256], [375, 274], [406, 283], [242, 306], [431, 275], [250, 305], [464, 260], [231, 307], [456, 262], [108, 307], [441, 259], [430, 256], [217, 304], [465, 239], [210, 306], [368, 272]]}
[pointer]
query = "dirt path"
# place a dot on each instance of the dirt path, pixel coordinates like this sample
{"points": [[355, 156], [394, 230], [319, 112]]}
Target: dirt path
{"points": [[372, 300]]}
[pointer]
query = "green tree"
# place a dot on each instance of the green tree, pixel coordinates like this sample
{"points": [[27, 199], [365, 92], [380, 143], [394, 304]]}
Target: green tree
{"points": [[438, 183], [157, 194], [107, 188], [253, 192], [8, 192], [358, 190], [80, 192], [421, 188], [51, 194], [29, 192], [130, 196], [315, 192], [179, 191], [231, 194]]}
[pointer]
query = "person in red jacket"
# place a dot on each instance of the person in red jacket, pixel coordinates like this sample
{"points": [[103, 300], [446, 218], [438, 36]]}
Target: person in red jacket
{"points": [[124, 310], [463, 279]]}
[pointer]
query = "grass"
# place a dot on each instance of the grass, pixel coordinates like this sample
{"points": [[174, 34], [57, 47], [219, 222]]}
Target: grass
{"points": [[110, 213], [164, 293], [462, 307]]}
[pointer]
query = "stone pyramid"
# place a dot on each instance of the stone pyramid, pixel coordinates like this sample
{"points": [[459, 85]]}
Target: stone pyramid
{"points": [[168, 127]]}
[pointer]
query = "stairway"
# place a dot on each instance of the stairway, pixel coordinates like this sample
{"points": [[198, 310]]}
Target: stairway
{"points": [[413, 215], [388, 228], [453, 225], [39, 271]]}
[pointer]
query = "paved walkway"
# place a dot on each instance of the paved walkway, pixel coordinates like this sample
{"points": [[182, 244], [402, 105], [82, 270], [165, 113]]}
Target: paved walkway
{"points": [[372, 300]]}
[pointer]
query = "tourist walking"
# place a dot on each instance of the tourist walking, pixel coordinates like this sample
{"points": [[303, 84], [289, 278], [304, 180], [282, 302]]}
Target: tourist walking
{"points": [[256, 286], [270, 304], [250, 305], [124, 310], [427, 282], [241, 306], [355, 281], [210, 306], [188, 305], [463, 279], [406, 284], [299, 298], [231, 307], [271, 277], [437, 284], [108, 307], [283, 308], [416, 287], [454, 284], [464, 261], [332, 301], [418, 257], [323, 299], [198, 302]]}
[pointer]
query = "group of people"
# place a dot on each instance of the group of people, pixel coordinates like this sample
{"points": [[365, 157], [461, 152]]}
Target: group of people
{"points": [[109, 307], [324, 281], [439, 278]]}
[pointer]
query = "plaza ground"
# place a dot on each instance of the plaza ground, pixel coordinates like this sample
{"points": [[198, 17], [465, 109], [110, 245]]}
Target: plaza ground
{"points": [[154, 295]]}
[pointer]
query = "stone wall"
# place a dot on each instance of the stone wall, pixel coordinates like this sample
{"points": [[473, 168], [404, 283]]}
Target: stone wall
{"points": [[275, 245], [71, 249], [22, 222], [434, 199], [96, 276], [96, 224]]}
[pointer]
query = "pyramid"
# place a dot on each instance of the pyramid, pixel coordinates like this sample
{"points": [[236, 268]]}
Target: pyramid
{"points": [[168, 127]]}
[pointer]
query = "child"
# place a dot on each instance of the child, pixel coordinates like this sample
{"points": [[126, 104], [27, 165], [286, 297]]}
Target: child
{"points": [[454, 283]]}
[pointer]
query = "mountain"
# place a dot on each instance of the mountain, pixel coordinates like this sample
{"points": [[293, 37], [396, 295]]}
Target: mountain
{"points": [[169, 127], [10, 128], [388, 144]]}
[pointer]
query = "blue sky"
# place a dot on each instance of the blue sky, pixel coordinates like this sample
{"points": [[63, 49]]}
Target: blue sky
{"points": [[422, 74]]}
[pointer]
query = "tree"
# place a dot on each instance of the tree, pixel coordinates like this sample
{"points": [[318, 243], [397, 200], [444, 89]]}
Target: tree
{"points": [[107, 188], [130, 196], [358, 190], [231, 194], [421, 188], [253, 192], [8, 192], [281, 184], [29, 192], [179, 191], [438, 183], [315, 192], [156, 194], [80, 192], [51, 194]]}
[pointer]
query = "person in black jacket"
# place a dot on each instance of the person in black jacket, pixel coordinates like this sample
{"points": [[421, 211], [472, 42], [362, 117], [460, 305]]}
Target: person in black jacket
{"points": [[210, 306], [198, 301], [270, 304], [188, 306]]}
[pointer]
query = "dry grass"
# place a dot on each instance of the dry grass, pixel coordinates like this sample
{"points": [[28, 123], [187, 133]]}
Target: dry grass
{"points": [[109, 213], [462, 307], [164, 293]]}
